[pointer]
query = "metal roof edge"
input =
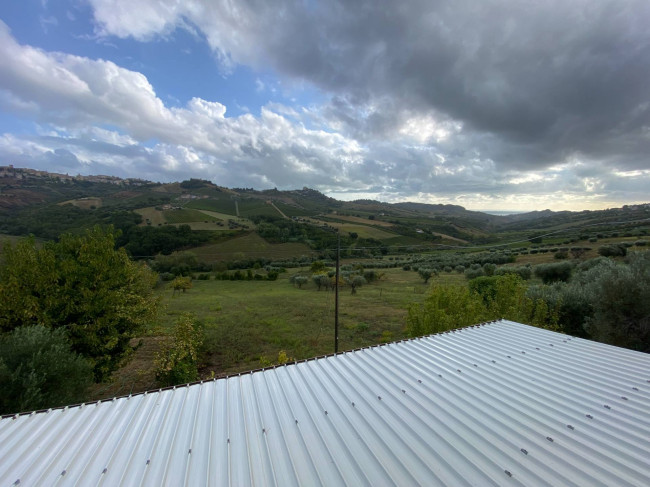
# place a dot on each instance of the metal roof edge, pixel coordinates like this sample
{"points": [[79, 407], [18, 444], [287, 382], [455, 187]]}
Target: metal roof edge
{"points": [[246, 372]]}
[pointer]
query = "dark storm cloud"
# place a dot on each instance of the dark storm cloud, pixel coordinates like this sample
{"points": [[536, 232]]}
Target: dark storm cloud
{"points": [[547, 79]]}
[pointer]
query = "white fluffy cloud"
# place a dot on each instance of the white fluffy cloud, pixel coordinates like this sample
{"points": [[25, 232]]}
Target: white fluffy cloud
{"points": [[490, 105]]}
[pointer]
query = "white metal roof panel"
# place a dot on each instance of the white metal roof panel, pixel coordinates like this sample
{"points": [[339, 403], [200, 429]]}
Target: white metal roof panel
{"points": [[496, 404]]}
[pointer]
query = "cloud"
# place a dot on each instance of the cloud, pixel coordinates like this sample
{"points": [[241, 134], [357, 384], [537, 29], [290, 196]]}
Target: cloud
{"points": [[491, 104], [545, 80]]}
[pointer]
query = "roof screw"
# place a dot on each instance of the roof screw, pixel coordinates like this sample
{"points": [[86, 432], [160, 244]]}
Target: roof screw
{"points": [[508, 473], [536, 348], [509, 356], [297, 420], [326, 413], [570, 427], [419, 381], [264, 430], [189, 452], [228, 441], [549, 439], [635, 388], [17, 482], [63, 473], [106, 469], [148, 462], [475, 365], [352, 404], [403, 391], [523, 352], [379, 397], [590, 416], [624, 398], [494, 361], [524, 451], [440, 375], [458, 370], [606, 406]]}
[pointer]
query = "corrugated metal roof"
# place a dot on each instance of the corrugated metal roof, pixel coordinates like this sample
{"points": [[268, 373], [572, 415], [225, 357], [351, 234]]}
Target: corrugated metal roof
{"points": [[497, 404]]}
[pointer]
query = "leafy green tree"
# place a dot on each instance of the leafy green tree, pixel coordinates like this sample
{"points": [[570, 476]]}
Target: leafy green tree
{"points": [[355, 281], [38, 370], [181, 284], [549, 273], [84, 285], [445, 308], [425, 274], [318, 266], [453, 306], [178, 360], [620, 297]]}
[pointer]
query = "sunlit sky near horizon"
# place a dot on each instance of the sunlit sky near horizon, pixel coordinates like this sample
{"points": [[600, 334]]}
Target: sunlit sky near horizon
{"points": [[492, 105]]}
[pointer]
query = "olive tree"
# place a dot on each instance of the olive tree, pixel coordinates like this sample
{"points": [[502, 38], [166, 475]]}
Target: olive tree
{"points": [[84, 285]]}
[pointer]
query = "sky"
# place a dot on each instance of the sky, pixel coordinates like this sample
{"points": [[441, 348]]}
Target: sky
{"points": [[491, 104]]}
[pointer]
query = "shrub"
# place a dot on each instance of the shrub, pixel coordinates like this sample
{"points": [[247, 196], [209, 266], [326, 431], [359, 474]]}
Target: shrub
{"points": [[554, 272], [298, 280], [203, 277], [612, 250], [181, 284], [561, 255], [489, 268], [525, 271], [177, 361], [474, 273], [38, 370], [621, 302]]}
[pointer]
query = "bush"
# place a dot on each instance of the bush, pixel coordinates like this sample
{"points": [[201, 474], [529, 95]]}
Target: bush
{"points": [[166, 276], [549, 273], [612, 250], [203, 277], [81, 284], [621, 302], [177, 361], [561, 255], [474, 273], [38, 370], [489, 268], [524, 271]]}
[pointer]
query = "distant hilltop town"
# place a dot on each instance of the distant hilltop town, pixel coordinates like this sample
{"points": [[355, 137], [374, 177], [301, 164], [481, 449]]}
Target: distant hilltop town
{"points": [[22, 173]]}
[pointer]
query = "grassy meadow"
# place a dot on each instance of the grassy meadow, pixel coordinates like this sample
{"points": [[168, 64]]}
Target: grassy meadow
{"points": [[247, 323]]}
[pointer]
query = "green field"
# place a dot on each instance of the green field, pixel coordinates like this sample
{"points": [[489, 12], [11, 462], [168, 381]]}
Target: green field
{"points": [[186, 216], [247, 322], [250, 246], [363, 231], [154, 216], [225, 205]]}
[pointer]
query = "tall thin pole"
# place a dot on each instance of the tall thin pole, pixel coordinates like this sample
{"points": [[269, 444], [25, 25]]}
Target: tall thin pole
{"points": [[336, 295]]}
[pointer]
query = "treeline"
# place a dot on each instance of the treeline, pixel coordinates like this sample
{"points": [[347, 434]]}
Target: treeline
{"points": [[143, 242], [51, 221], [603, 299], [280, 230]]}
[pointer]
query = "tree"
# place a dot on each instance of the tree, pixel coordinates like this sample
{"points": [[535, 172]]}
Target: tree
{"points": [[354, 282], [549, 273], [181, 284], [39, 370], [83, 285], [620, 297], [425, 274], [448, 307], [177, 362]]}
